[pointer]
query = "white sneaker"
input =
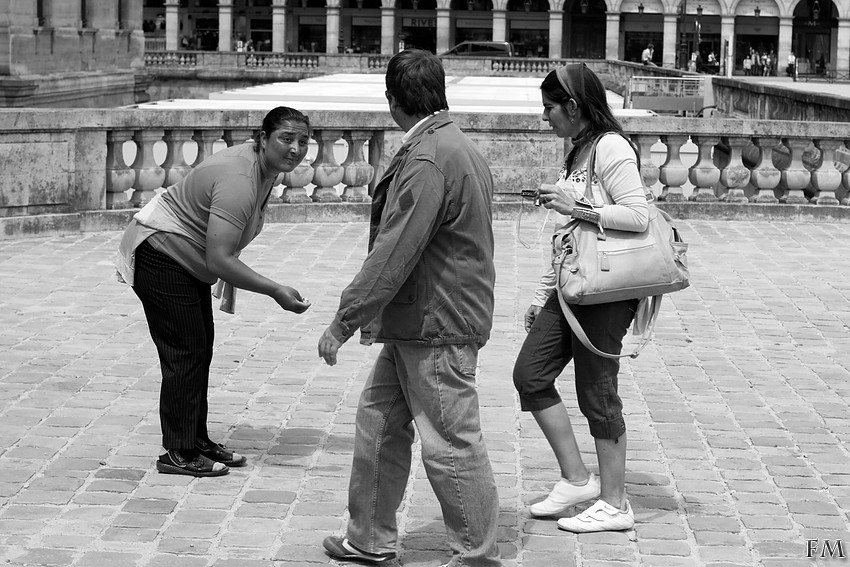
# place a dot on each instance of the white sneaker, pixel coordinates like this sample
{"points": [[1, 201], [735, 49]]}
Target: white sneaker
{"points": [[566, 494], [601, 517]]}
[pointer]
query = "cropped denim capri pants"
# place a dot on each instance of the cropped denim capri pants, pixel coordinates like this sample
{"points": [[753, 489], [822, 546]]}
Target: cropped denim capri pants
{"points": [[551, 344]]}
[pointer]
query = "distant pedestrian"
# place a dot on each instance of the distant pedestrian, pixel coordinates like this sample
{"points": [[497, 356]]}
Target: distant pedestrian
{"points": [[426, 291], [180, 244], [791, 69], [647, 55]]}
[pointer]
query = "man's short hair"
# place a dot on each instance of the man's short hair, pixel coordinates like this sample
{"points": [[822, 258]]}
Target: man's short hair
{"points": [[417, 81], [650, 46]]}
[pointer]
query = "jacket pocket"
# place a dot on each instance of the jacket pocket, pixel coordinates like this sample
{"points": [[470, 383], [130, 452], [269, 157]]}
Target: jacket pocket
{"points": [[407, 292]]}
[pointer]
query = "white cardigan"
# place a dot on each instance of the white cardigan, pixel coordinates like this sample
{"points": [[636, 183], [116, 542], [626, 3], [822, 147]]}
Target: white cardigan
{"points": [[620, 198]]}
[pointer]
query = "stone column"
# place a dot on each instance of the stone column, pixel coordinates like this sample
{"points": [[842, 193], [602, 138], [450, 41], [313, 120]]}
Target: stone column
{"points": [[279, 26], [387, 30], [443, 29], [225, 25], [795, 176], [786, 28], [842, 63], [735, 176], [172, 25], [827, 179], [556, 34], [727, 32], [500, 25], [149, 176], [357, 171], [671, 41], [119, 177], [63, 18], [704, 175], [175, 165], [327, 173], [673, 172], [612, 35], [765, 177], [332, 30], [103, 15]]}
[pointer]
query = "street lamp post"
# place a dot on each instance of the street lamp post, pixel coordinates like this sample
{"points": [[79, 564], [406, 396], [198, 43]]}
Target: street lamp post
{"points": [[683, 41], [684, 56]]}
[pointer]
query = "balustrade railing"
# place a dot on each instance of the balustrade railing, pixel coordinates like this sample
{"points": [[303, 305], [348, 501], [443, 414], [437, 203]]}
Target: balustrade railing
{"points": [[114, 159], [134, 185], [733, 168], [258, 59]]}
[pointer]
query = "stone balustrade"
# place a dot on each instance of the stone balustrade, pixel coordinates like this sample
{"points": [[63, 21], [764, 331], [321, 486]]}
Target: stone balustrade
{"points": [[71, 161]]}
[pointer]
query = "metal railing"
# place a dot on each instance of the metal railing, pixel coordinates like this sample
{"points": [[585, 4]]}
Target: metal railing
{"points": [[666, 94]]}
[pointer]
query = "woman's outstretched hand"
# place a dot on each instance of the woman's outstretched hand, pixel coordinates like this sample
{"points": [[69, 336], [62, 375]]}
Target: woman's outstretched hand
{"points": [[553, 197], [289, 299]]}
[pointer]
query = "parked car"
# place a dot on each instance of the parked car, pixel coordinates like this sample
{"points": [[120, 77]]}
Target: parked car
{"points": [[481, 49]]}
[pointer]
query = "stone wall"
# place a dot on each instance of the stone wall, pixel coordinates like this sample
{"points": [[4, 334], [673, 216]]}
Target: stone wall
{"points": [[67, 60], [769, 102], [78, 168]]}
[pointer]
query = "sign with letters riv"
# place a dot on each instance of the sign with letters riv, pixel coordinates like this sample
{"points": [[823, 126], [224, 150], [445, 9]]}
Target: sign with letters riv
{"points": [[419, 22]]}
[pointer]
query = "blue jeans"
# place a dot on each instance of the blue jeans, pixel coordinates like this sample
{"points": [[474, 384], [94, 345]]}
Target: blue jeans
{"points": [[433, 386]]}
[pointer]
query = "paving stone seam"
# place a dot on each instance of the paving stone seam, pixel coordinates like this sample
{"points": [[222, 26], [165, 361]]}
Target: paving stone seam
{"points": [[801, 400], [732, 413], [709, 450], [655, 350], [56, 456], [294, 405]]}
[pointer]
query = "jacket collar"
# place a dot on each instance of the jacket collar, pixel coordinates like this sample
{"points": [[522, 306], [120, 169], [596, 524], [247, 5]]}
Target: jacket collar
{"points": [[436, 120]]}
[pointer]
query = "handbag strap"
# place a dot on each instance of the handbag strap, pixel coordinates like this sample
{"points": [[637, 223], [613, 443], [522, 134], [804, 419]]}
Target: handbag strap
{"points": [[655, 307], [588, 191]]}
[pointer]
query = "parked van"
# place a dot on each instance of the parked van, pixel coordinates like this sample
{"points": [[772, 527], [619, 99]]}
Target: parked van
{"points": [[481, 49]]}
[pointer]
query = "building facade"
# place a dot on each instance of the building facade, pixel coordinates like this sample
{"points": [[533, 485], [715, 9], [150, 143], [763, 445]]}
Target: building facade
{"points": [[71, 52], [817, 31]]}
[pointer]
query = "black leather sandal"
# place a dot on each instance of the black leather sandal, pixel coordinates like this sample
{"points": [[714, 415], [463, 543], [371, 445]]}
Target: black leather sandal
{"points": [[219, 453], [173, 462]]}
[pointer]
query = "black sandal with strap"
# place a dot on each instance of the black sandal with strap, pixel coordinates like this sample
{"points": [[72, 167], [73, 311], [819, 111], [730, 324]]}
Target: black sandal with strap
{"points": [[219, 453], [174, 462]]}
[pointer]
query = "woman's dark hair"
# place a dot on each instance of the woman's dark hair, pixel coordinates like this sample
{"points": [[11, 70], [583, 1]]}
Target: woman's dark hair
{"points": [[275, 119], [417, 81], [592, 101]]}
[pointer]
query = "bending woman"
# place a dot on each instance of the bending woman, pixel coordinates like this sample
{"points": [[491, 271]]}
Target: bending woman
{"points": [[575, 106], [178, 246]]}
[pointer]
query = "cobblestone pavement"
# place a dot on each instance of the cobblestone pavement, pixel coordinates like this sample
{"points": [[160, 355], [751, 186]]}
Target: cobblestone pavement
{"points": [[739, 430]]}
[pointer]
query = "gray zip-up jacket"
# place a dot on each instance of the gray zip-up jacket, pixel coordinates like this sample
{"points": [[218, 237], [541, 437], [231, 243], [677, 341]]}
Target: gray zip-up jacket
{"points": [[429, 274]]}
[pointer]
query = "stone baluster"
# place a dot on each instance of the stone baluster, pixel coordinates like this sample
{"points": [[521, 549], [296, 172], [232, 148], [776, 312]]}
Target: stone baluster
{"points": [[795, 177], [357, 171], [119, 177], [826, 179], [294, 183], [735, 176], [649, 172], [236, 136], [704, 174], [673, 172], [205, 140], [149, 176], [326, 171], [175, 165], [764, 176], [845, 175]]}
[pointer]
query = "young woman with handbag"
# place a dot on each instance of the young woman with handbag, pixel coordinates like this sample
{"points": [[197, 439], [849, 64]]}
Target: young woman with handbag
{"points": [[575, 106]]}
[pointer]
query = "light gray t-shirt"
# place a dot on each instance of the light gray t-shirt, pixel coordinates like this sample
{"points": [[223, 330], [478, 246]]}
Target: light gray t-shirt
{"points": [[229, 185]]}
